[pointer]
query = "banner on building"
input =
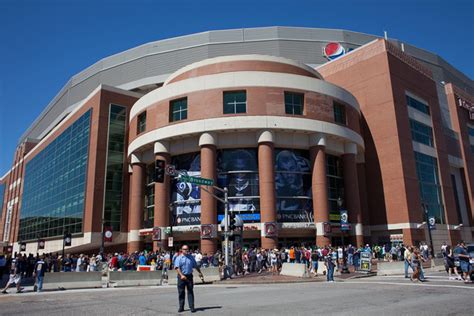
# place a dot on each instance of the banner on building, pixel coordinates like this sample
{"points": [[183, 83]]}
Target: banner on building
{"points": [[344, 220], [156, 236], [327, 228], [432, 223], [67, 240], [41, 243], [270, 229], [22, 246], [108, 234], [208, 231]]}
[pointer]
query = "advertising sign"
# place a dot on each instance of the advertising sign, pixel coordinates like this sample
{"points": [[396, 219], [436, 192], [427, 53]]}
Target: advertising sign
{"points": [[365, 261], [170, 241], [67, 240]]}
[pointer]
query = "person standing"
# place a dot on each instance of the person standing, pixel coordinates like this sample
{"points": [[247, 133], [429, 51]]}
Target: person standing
{"points": [[15, 275], [329, 262], [184, 265], [460, 252], [38, 273]]}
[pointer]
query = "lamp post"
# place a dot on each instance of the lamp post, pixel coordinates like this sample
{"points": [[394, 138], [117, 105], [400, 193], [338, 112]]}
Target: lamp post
{"points": [[425, 209], [340, 201]]}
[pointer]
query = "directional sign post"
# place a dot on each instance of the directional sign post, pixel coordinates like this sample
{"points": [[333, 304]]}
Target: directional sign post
{"points": [[196, 180]]}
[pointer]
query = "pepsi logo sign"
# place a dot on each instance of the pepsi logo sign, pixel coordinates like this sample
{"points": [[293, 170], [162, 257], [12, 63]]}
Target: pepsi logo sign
{"points": [[333, 50]]}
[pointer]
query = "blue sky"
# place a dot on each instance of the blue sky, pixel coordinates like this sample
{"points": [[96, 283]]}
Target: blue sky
{"points": [[44, 43]]}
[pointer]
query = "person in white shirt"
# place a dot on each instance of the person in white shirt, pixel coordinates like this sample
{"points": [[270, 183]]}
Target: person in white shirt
{"points": [[198, 258]]}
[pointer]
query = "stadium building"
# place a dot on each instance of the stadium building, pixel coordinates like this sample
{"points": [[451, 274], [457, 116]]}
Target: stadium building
{"points": [[320, 136]]}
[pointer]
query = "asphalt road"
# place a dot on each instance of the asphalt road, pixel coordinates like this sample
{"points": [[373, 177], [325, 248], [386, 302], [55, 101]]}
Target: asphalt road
{"points": [[367, 296]]}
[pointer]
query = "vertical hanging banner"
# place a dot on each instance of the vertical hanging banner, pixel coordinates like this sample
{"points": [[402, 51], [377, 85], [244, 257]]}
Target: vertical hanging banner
{"points": [[67, 240], [432, 223], [108, 234], [156, 236], [344, 220], [22, 246], [41, 243]]}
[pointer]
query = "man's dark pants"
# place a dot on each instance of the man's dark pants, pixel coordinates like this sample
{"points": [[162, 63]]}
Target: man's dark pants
{"points": [[182, 285]]}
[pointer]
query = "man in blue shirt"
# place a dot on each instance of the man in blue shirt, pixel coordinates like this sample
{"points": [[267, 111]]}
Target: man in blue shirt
{"points": [[184, 265]]}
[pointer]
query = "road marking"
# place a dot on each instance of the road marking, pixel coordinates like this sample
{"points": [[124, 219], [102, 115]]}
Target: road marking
{"points": [[410, 284]]}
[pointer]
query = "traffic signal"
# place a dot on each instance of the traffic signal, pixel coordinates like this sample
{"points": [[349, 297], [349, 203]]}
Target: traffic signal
{"points": [[160, 171], [232, 221]]}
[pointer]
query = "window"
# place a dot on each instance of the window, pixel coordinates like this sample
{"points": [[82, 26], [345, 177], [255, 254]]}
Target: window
{"points": [[471, 131], [339, 113], [335, 184], [235, 102], [141, 123], [179, 110], [294, 103], [115, 167], [421, 133], [420, 106], [430, 189]]}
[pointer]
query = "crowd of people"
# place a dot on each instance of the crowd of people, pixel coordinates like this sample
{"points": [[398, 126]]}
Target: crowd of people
{"points": [[244, 261]]}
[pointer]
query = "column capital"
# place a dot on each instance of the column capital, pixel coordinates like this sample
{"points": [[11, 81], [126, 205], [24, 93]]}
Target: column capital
{"points": [[318, 139], [136, 158], [208, 139], [265, 136], [161, 147], [350, 148]]}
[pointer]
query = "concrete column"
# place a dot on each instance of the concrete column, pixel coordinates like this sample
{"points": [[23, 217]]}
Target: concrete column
{"points": [[137, 200], [266, 174], [351, 191], [208, 143], [319, 188], [162, 200]]}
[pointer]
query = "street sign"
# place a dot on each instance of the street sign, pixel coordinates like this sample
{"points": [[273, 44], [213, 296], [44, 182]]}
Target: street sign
{"points": [[196, 180]]}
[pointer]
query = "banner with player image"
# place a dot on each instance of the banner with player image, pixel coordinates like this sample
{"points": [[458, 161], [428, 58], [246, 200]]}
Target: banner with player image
{"points": [[238, 171], [186, 197], [293, 186]]}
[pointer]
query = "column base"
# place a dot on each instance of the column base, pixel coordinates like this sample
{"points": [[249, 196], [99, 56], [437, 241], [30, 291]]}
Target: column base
{"points": [[133, 246], [163, 245], [323, 241], [269, 243], [208, 246]]}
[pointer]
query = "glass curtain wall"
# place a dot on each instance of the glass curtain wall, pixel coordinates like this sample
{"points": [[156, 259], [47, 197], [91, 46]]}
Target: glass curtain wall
{"points": [[55, 181]]}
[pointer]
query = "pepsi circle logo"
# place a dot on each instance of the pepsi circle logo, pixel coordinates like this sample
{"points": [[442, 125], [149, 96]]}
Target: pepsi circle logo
{"points": [[333, 50]]}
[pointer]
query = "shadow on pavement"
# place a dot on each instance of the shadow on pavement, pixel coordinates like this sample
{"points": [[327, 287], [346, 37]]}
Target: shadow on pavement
{"points": [[199, 309]]}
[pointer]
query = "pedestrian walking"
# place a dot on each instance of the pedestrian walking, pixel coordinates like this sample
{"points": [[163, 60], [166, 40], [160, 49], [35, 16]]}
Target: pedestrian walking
{"points": [[15, 275], [184, 265], [38, 273]]}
